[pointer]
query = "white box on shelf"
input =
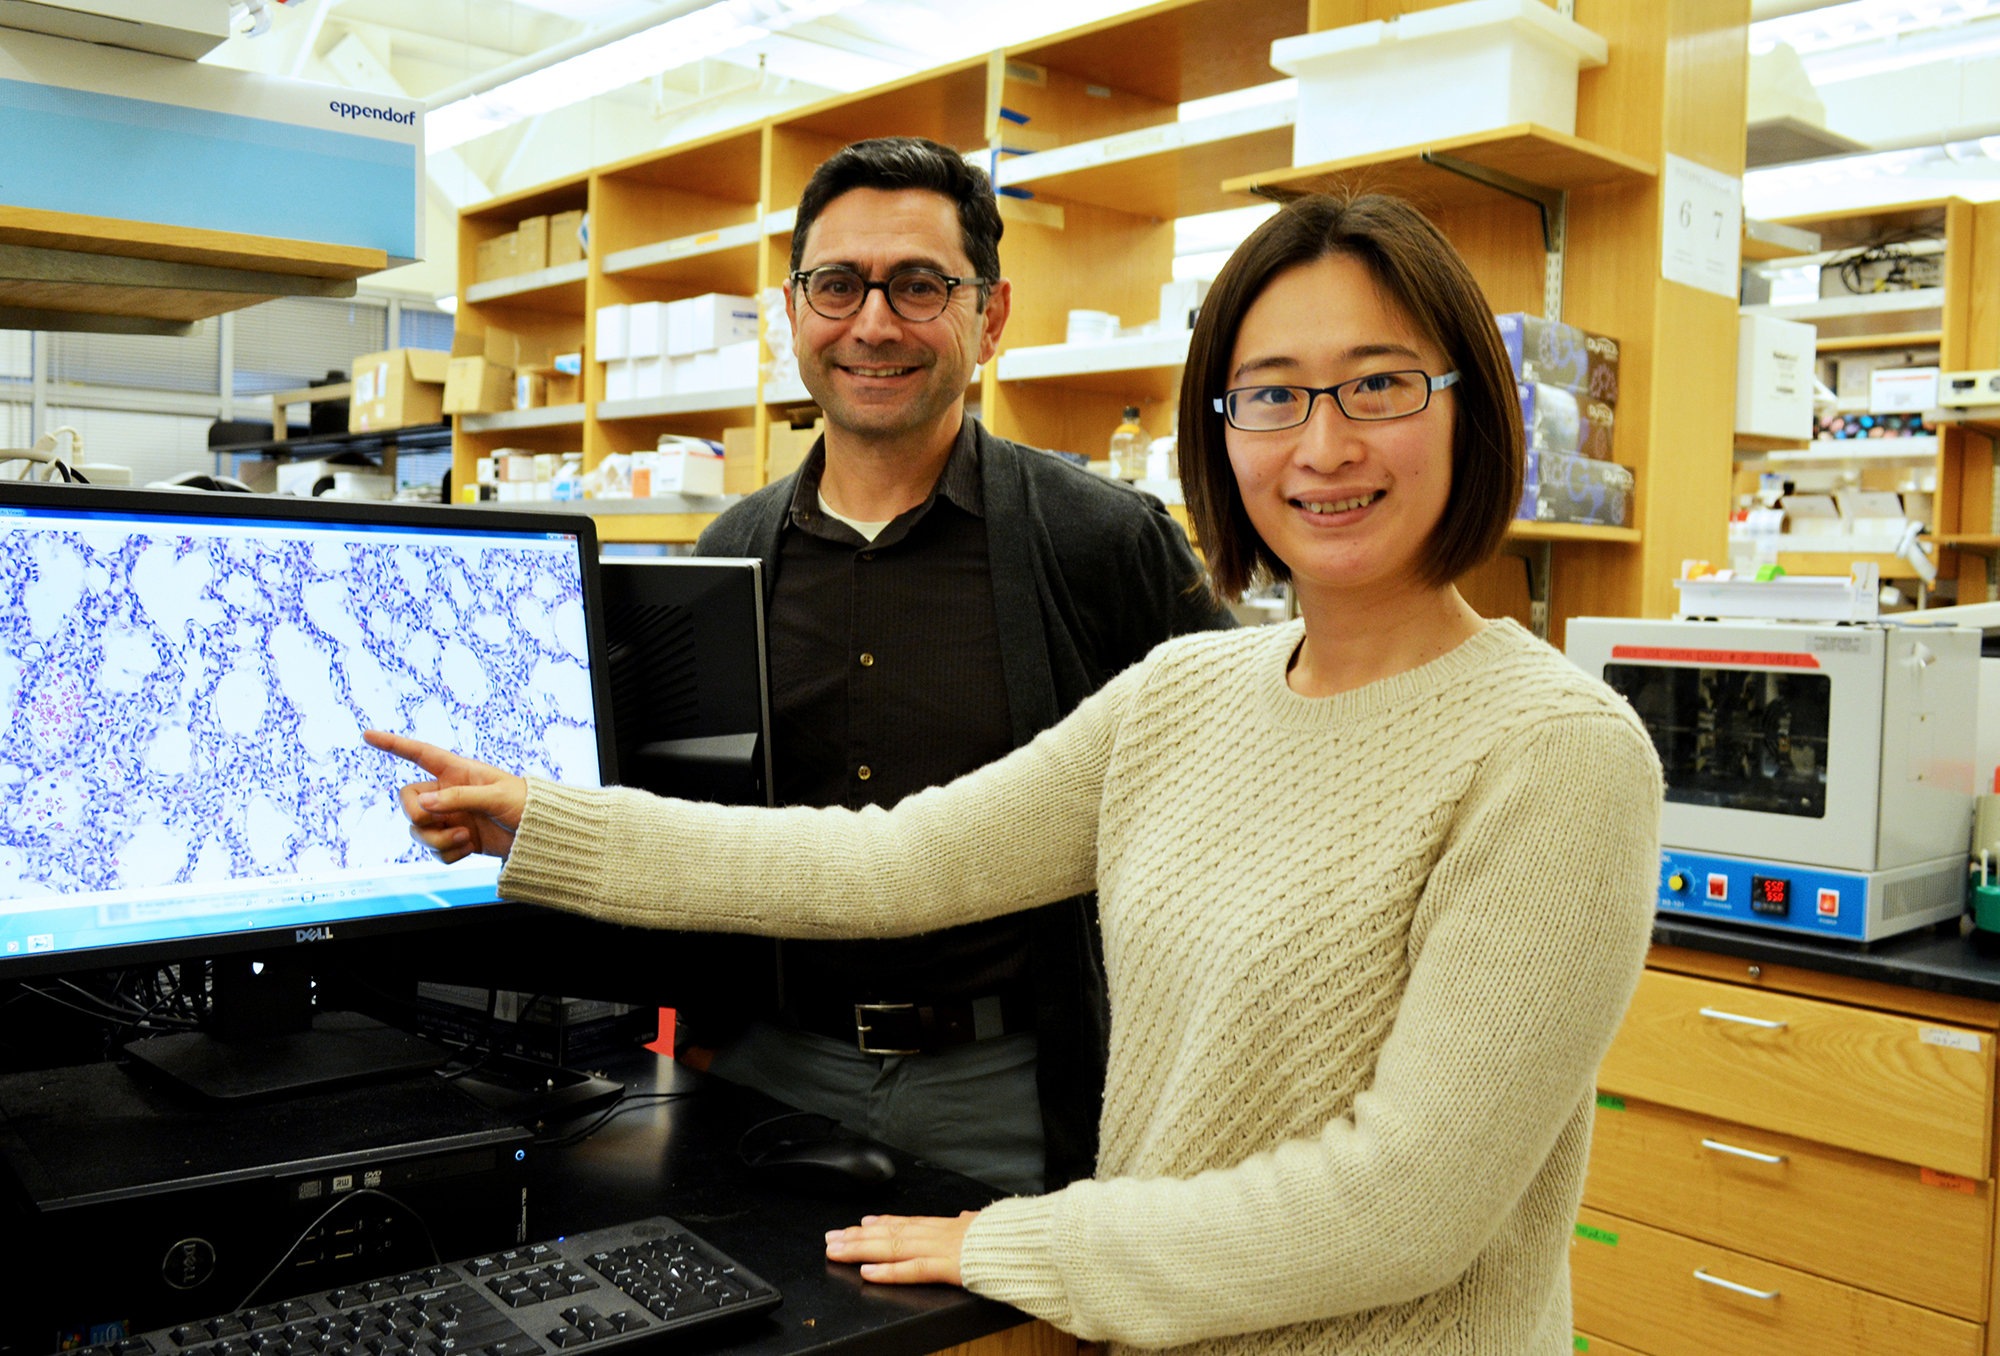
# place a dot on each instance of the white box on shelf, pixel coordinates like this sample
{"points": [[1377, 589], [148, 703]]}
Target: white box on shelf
{"points": [[695, 373], [650, 377], [1902, 390], [681, 467], [649, 327], [736, 364], [1774, 377], [1433, 74], [716, 320], [680, 327], [619, 379], [613, 333]]}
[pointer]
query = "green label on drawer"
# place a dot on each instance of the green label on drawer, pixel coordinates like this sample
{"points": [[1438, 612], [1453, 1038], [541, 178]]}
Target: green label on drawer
{"points": [[1580, 1342], [1604, 1236], [1610, 1103]]}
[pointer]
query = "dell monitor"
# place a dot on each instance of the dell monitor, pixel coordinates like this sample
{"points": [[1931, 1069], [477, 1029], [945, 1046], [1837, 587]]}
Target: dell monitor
{"points": [[184, 679]]}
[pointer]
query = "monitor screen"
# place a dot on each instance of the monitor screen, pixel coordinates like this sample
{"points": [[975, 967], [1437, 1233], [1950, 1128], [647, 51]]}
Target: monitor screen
{"points": [[184, 678]]}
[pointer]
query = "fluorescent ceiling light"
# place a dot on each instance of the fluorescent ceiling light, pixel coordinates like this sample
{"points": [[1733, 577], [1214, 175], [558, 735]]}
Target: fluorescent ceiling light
{"points": [[666, 46], [1978, 159], [1972, 42], [1836, 26]]}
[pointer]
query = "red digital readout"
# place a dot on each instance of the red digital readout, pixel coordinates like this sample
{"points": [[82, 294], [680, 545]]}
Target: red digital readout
{"points": [[1775, 890]]}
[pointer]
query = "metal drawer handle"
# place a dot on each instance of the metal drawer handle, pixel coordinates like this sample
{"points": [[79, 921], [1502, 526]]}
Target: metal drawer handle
{"points": [[1701, 1275], [1722, 1148], [1719, 1015]]}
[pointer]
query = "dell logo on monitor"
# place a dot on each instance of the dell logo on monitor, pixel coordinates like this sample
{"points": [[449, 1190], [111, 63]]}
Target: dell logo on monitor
{"points": [[323, 933]]}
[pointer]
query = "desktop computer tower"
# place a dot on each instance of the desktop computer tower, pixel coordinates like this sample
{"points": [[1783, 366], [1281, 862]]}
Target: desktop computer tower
{"points": [[128, 1207]]}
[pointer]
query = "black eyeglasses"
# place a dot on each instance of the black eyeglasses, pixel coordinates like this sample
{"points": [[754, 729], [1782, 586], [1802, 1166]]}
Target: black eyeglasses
{"points": [[1380, 395], [836, 291]]}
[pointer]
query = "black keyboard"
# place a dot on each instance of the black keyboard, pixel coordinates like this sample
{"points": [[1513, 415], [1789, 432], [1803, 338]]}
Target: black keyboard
{"points": [[593, 1290]]}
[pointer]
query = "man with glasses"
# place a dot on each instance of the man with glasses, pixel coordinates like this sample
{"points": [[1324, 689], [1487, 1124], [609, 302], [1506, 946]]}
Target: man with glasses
{"points": [[937, 596]]}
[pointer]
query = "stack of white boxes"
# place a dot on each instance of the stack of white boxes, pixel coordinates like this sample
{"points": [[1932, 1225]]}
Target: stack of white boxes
{"points": [[688, 347]]}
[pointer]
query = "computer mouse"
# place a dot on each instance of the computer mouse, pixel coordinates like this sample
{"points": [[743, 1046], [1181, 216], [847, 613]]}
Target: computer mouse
{"points": [[837, 1161], [815, 1154]]}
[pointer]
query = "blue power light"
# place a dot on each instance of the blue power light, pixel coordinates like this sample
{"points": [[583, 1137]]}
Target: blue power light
{"points": [[520, 1155]]}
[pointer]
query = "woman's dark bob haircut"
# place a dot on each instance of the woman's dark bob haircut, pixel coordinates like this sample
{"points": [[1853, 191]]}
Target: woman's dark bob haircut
{"points": [[1420, 272]]}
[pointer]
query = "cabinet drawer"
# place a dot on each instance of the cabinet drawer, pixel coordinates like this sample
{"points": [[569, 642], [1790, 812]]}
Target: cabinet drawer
{"points": [[1896, 1087], [1869, 1222], [1644, 1287], [1599, 1346]]}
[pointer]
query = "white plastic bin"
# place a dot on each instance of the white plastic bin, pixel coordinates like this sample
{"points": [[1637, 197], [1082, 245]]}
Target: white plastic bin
{"points": [[1434, 74]]}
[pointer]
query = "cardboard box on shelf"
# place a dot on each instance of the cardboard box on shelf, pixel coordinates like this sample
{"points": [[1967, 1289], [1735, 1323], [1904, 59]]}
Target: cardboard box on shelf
{"points": [[531, 249], [687, 466], [619, 379], [1558, 420], [477, 385], [536, 348], [1560, 355], [399, 388], [497, 258], [1559, 489], [788, 449], [739, 459], [531, 390], [565, 238]]}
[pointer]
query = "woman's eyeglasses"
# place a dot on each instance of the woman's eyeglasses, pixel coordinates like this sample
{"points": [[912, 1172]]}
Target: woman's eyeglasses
{"points": [[1380, 395]]}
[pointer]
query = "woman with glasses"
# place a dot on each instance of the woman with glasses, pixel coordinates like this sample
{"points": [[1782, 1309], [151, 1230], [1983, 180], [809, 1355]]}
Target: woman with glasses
{"points": [[1375, 885]]}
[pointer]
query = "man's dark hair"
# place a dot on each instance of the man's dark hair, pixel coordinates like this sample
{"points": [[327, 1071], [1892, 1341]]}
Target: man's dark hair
{"points": [[893, 163], [1424, 276]]}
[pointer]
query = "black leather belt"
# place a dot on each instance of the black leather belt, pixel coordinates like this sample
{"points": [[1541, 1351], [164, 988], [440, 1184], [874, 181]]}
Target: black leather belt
{"points": [[890, 1028]]}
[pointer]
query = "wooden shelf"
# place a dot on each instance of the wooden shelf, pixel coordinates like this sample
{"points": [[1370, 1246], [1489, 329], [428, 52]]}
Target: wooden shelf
{"points": [[1982, 419], [694, 402], [1851, 343], [690, 258], [547, 416], [1148, 368], [546, 289], [1536, 154], [1774, 240], [1977, 543], [1165, 172], [1523, 529], [62, 271], [1757, 442], [1921, 448], [1863, 303], [1836, 561]]}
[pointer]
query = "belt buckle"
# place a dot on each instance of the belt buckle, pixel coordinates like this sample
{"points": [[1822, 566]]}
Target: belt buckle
{"points": [[862, 1028]]}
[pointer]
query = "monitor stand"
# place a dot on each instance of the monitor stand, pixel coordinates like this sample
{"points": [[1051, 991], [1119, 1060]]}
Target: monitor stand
{"points": [[264, 1040]]}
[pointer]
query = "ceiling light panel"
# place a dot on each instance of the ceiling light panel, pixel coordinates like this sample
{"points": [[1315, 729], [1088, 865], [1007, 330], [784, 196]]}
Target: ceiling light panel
{"points": [[1863, 21], [667, 46]]}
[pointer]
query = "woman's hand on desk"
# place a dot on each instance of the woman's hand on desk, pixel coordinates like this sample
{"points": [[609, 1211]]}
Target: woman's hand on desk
{"points": [[467, 807], [903, 1249]]}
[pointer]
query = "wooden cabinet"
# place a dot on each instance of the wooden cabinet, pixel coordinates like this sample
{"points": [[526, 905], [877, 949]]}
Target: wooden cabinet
{"points": [[1668, 1295], [1087, 123], [1790, 1161]]}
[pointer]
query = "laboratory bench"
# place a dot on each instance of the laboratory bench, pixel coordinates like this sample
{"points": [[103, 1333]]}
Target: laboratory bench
{"points": [[679, 1157], [671, 1147]]}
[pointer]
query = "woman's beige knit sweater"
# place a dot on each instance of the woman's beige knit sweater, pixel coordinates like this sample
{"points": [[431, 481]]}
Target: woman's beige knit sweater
{"points": [[1364, 952]]}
